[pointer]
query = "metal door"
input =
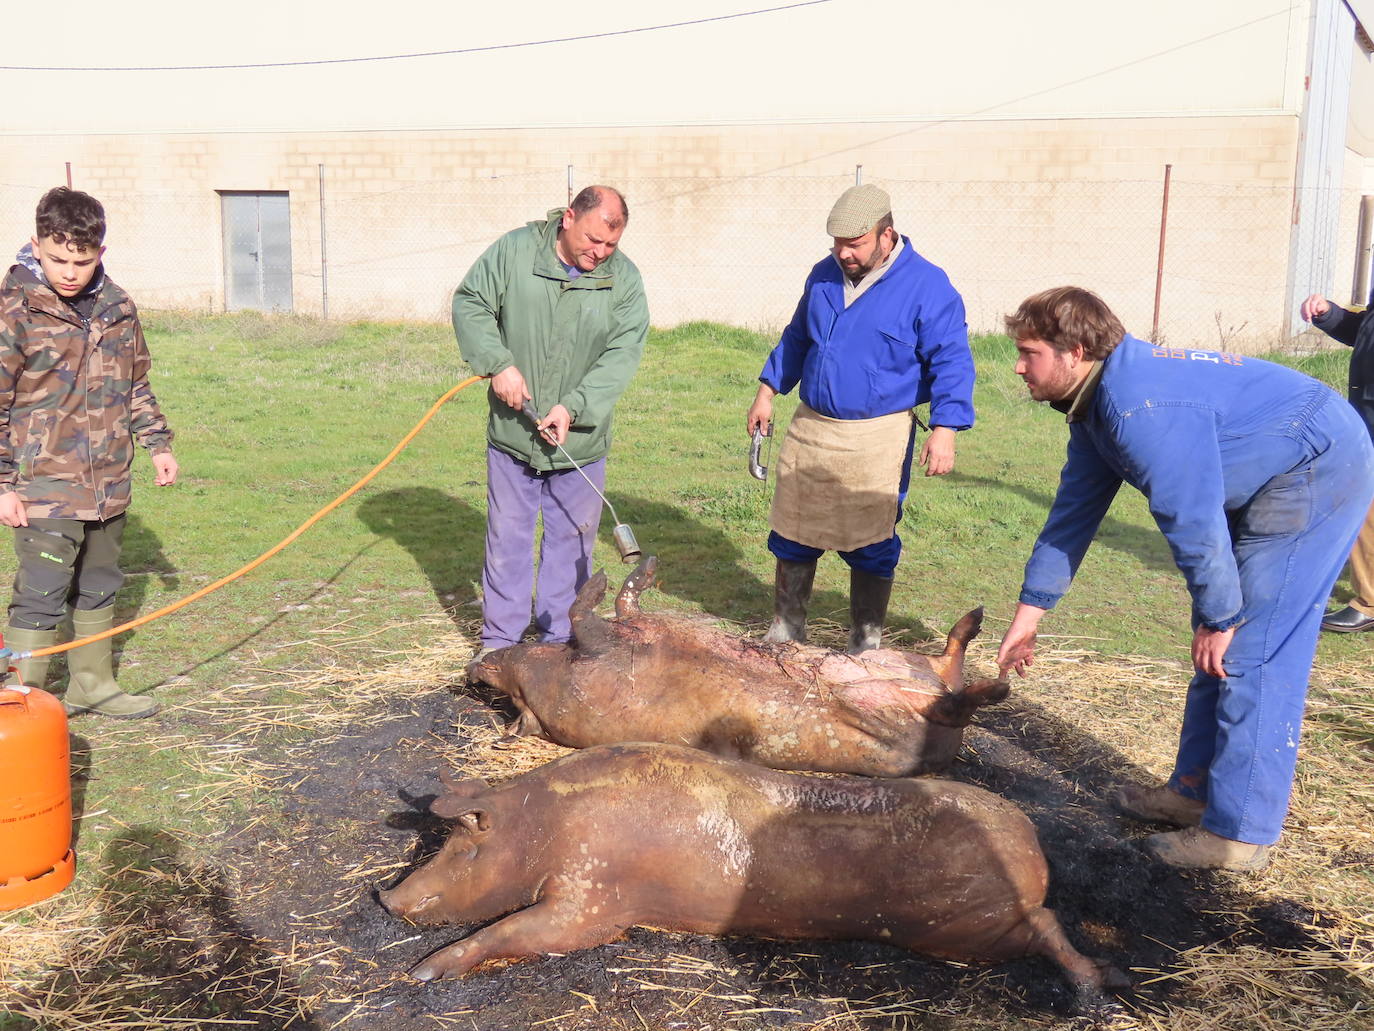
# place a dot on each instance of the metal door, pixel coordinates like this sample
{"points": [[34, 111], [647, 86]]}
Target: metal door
{"points": [[257, 250]]}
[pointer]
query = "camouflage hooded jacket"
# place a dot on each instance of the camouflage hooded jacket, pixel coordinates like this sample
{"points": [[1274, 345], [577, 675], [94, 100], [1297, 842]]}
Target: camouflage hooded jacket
{"points": [[74, 394]]}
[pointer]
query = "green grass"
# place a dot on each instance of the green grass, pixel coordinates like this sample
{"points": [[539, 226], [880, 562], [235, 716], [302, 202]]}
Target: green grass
{"points": [[276, 416]]}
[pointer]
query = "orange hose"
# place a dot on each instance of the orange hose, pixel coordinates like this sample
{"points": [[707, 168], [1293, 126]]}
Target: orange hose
{"points": [[68, 646]]}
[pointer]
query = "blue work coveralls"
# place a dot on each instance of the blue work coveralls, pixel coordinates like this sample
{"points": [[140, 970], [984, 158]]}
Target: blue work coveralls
{"points": [[902, 343], [1259, 477]]}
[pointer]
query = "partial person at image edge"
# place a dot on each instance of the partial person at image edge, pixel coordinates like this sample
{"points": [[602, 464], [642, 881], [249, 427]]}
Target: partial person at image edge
{"points": [[1356, 331]]}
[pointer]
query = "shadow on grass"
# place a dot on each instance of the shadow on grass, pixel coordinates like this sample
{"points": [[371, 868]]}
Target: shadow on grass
{"points": [[1144, 543], [79, 750], [168, 948], [445, 536]]}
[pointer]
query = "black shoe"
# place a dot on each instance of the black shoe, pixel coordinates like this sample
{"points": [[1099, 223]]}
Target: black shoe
{"points": [[1347, 621]]}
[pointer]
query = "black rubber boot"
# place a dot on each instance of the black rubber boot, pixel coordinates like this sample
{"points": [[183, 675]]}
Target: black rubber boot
{"points": [[868, 598], [791, 593]]}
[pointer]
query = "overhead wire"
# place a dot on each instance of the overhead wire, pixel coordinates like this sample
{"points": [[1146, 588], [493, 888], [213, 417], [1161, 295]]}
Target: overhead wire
{"points": [[609, 34]]}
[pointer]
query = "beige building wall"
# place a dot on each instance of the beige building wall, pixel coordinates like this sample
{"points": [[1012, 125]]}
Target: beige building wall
{"points": [[725, 220]]}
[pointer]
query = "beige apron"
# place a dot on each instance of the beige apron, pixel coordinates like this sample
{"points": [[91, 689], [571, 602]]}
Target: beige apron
{"points": [[838, 479]]}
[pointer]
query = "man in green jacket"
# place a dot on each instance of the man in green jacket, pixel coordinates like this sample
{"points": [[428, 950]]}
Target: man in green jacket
{"points": [[555, 315]]}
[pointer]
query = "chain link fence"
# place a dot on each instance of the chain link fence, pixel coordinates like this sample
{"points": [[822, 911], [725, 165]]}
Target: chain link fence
{"points": [[737, 249]]}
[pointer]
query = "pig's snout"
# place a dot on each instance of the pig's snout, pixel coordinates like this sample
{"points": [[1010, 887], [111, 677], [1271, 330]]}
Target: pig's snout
{"points": [[403, 904]]}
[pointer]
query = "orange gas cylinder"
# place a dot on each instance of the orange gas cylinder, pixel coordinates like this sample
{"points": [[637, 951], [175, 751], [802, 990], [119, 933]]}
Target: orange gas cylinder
{"points": [[36, 860]]}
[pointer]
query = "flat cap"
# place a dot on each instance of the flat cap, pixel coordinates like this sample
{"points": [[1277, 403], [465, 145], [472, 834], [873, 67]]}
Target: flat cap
{"points": [[857, 211]]}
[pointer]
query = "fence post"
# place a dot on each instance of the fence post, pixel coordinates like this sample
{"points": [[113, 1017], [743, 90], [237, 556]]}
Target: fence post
{"points": [[69, 175], [1159, 265], [324, 261], [858, 175], [570, 185]]}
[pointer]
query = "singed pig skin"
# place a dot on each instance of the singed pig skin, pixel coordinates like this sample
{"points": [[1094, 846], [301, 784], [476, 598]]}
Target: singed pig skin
{"points": [[642, 677], [573, 853]]}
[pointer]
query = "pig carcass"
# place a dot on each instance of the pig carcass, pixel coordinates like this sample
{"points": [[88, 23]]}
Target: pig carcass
{"points": [[642, 677], [607, 838]]}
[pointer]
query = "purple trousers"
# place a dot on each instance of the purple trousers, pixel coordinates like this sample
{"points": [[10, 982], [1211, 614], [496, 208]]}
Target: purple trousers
{"points": [[516, 496]]}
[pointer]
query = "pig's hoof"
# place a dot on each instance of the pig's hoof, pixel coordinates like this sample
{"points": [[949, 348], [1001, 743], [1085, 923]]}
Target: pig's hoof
{"points": [[1113, 979], [424, 972]]}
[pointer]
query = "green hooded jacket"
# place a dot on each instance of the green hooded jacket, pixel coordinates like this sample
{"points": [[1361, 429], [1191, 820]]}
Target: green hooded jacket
{"points": [[577, 341]]}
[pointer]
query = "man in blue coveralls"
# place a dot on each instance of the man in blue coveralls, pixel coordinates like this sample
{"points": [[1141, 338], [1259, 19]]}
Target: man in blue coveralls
{"points": [[1259, 478], [878, 330]]}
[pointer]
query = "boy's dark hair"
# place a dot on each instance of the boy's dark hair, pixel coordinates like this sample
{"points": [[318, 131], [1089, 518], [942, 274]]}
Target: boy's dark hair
{"points": [[1065, 316], [70, 216]]}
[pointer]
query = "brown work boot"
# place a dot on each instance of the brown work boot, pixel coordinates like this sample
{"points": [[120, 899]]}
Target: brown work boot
{"points": [[1157, 805], [1197, 849]]}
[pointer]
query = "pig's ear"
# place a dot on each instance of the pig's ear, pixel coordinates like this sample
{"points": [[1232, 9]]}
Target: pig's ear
{"points": [[475, 822], [469, 788], [472, 818]]}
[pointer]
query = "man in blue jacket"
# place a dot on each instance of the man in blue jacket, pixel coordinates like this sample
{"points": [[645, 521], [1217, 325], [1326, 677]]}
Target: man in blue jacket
{"points": [[878, 330], [1259, 478]]}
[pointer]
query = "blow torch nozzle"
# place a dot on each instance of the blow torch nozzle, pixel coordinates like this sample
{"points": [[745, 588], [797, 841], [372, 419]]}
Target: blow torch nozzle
{"points": [[623, 536]]}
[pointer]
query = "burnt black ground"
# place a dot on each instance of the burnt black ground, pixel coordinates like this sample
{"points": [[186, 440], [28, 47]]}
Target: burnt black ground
{"points": [[361, 800], [287, 907]]}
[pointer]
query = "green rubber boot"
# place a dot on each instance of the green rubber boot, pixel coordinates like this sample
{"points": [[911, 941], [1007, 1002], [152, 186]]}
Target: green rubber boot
{"points": [[92, 687], [32, 672]]}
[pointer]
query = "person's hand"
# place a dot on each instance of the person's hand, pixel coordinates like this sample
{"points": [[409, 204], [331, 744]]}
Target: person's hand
{"points": [[937, 453], [760, 415], [1315, 307], [166, 467], [554, 426], [12, 512], [509, 386], [1209, 648], [1018, 643]]}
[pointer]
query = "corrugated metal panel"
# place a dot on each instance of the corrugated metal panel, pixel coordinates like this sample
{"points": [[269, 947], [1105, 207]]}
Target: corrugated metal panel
{"points": [[1363, 10], [1321, 156]]}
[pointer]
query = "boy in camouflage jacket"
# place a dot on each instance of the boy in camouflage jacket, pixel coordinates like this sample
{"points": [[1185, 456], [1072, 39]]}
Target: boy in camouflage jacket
{"points": [[74, 396]]}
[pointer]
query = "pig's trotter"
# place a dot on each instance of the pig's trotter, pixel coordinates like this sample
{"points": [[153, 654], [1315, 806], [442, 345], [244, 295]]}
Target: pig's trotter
{"points": [[538, 930], [589, 630], [449, 961], [1088, 976], [639, 580], [528, 725]]}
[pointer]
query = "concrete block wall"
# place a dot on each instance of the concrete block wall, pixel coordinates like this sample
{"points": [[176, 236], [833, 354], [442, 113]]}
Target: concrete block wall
{"points": [[725, 221]]}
